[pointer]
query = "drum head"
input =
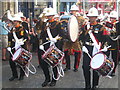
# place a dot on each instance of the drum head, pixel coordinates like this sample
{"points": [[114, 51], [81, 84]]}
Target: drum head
{"points": [[97, 61], [16, 54], [73, 28]]}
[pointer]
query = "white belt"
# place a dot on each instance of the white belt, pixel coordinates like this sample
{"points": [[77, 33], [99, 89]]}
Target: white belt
{"points": [[89, 43]]}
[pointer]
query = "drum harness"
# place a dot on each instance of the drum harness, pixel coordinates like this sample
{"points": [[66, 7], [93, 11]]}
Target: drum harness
{"points": [[59, 65], [96, 47], [18, 43]]}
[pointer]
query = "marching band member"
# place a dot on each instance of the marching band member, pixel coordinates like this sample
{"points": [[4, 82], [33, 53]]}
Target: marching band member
{"points": [[20, 33], [114, 43], [98, 32], [55, 29], [26, 27], [24, 23], [73, 47], [40, 25], [118, 33]]}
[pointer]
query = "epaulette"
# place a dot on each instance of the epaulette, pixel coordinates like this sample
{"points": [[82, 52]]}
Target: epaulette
{"points": [[54, 26]]}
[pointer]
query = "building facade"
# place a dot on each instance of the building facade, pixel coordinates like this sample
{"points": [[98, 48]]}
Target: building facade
{"points": [[37, 6]]}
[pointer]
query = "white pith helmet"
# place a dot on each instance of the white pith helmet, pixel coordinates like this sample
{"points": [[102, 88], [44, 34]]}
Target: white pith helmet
{"points": [[113, 14], [9, 16], [74, 7], [17, 18], [44, 12], [93, 12], [56, 16], [21, 14], [50, 11], [41, 15]]}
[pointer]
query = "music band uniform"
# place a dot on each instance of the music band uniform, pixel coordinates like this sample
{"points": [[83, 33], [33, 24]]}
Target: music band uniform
{"points": [[98, 31], [21, 33], [55, 29], [73, 48], [118, 33], [114, 32], [100, 35]]}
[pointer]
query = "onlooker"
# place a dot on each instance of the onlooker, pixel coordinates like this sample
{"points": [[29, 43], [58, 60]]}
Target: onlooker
{"points": [[4, 33]]}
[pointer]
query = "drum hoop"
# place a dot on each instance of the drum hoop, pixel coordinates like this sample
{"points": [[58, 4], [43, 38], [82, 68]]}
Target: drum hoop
{"points": [[69, 27], [45, 54], [49, 49], [53, 46], [18, 55], [22, 49], [103, 62]]}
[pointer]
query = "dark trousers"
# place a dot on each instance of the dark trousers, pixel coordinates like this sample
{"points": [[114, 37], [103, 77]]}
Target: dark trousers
{"points": [[39, 53], [45, 67], [114, 54], [13, 67], [86, 69], [77, 59]]}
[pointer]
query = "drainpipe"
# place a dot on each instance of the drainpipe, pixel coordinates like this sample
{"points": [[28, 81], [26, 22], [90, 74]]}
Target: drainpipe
{"points": [[16, 6], [55, 5]]}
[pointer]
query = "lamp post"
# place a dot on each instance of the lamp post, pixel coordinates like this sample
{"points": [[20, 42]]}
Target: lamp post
{"points": [[83, 7]]}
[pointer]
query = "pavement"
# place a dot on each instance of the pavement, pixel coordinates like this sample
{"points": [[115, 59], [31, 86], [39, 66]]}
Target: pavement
{"points": [[71, 79]]}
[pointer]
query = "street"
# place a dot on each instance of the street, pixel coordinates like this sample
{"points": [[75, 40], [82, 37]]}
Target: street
{"points": [[71, 79]]}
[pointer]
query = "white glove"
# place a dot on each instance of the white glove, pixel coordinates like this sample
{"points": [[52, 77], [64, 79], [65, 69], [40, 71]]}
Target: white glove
{"points": [[84, 49], [21, 43], [41, 47], [54, 40], [18, 44], [57, 37], [105, 49], [9, 48]]}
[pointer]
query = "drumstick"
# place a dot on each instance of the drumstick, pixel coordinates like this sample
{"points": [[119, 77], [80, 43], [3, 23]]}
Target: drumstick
{"points": [[89, 55], [24, 40], [108, 76], [86, 51], [11, 53], [57, 37]]}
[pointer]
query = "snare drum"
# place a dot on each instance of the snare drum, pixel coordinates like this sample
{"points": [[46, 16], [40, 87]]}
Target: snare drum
{"points": [[53, 56], [22, 56], [102, 64], [70, 27]]}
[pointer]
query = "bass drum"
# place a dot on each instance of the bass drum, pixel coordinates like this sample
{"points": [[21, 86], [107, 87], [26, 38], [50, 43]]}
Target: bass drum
{"points": [[70, 27]]}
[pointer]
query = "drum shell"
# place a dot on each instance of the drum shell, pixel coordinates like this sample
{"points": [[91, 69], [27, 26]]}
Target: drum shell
{"points": [[23, 58], [105, 68], [53, 56], [67, 24]]}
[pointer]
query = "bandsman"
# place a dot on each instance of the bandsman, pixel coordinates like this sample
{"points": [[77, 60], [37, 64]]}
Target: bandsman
{"points": [[98, 32], [20, 34], [73, 48]]}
